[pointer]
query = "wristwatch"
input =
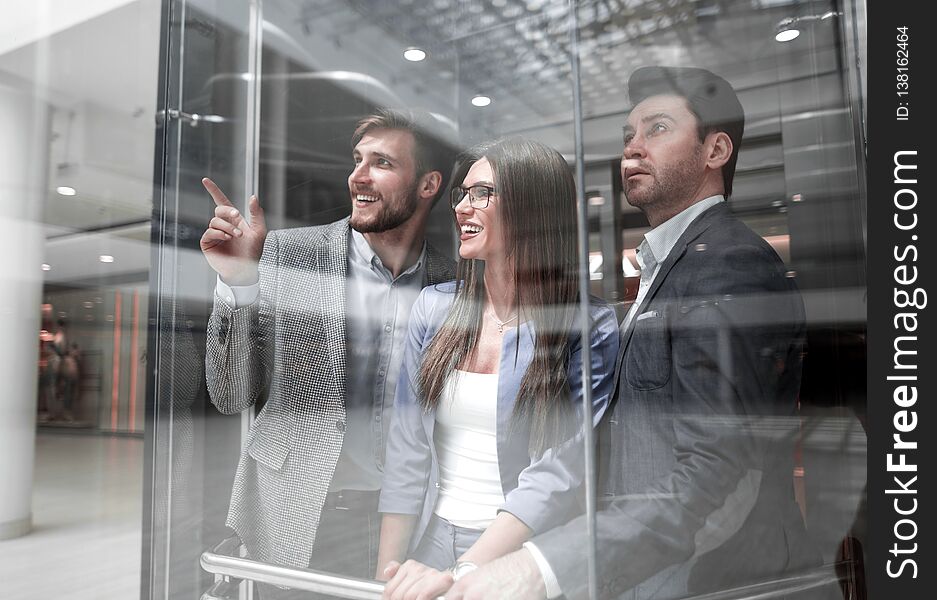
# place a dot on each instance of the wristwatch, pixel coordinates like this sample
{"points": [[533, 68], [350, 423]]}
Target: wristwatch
{"points": [[461, 568]]}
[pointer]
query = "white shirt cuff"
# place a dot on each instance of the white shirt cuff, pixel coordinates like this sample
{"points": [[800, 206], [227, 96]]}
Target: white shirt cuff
{"points": [[550, 584], [237, 296]]}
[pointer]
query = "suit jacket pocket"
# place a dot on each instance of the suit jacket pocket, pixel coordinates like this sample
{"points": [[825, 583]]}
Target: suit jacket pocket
{"points": [[269, 444], [647, 359]]}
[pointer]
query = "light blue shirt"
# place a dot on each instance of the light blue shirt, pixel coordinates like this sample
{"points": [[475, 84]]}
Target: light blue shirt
{"points": [[377, 315]]}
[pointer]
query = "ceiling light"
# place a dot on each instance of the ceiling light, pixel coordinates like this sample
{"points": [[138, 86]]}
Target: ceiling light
{"points": [[65, 190], [787, 35], [789, 28], [480, 100], [786, 30], [106, 258], [414, 54], [46, 267]]}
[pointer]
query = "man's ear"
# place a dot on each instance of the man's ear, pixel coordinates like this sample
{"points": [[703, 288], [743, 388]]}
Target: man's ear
{"points": [[719, 149], [429, 184]]}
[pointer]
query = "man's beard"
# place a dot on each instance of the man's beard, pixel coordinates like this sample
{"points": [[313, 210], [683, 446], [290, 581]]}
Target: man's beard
{"points": [[390, 216], [670, 187]]}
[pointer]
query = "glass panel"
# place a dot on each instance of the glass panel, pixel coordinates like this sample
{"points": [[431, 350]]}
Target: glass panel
{"points": [[206, 127], [800, 164], [259, 412], [76, 117], [328, 341], [316, 81]]}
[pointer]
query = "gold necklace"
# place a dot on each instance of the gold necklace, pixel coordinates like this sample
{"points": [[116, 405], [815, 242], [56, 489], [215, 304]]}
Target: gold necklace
{"points": [[499, 323]]}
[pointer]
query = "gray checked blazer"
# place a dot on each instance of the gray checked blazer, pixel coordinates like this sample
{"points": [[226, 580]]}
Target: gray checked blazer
{"points": [[290, 346]]}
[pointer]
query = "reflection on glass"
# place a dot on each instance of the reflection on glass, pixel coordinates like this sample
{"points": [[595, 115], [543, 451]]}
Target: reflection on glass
{"points": [[111, 305]]}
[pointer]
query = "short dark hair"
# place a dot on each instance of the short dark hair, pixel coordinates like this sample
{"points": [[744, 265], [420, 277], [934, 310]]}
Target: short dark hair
{"points": [[710, 98], [431, 152]]}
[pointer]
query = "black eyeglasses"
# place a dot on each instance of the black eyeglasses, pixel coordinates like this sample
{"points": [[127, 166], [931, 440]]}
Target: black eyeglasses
{"points": [[478, 195]]}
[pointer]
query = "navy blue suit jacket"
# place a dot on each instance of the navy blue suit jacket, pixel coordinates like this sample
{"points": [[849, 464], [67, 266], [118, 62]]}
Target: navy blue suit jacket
{"points": [[696, 452]]}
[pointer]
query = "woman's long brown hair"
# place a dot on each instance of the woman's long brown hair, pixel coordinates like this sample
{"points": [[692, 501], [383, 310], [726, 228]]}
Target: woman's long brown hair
{"points": [[537, 204]]}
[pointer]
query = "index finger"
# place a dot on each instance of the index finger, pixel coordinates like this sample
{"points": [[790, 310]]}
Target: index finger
{"points": [[216, 194]]}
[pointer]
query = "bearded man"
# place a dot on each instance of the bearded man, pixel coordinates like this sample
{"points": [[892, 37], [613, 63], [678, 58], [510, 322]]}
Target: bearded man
{"points": [[312, 321]]}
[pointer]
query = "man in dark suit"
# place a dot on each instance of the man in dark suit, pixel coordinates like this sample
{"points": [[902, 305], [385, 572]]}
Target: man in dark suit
{"points": [[312, 320], [696, 456]]}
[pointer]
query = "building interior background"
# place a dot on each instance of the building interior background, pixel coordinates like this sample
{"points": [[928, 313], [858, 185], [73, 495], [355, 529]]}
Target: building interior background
{"points": [[113, 110]]}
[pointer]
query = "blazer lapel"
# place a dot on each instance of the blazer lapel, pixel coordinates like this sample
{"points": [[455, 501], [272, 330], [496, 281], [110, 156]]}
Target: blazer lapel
{"points": [[696, 228], [439, 268], [332, 267]]}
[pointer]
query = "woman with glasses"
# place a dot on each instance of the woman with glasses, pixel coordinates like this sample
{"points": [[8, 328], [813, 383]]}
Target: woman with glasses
{"points": [[485, 448]]}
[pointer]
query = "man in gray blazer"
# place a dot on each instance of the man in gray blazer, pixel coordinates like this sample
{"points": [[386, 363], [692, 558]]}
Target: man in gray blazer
{"points": [[696, 455], [312, 321]]}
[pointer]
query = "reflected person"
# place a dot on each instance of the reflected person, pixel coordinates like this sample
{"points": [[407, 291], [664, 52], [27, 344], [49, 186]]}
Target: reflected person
{"points": [[485, 447], [696, 452], [312, 321]]}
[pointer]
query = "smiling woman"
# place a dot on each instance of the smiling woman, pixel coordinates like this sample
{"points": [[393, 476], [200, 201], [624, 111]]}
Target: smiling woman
{"points": [[491, 391]]}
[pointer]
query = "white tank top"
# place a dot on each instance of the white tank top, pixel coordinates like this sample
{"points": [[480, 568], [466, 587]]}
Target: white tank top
{"points": [[466, 438]]}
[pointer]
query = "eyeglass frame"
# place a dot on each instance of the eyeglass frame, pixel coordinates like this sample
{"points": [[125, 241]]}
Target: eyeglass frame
{"points": [[474, 202]]}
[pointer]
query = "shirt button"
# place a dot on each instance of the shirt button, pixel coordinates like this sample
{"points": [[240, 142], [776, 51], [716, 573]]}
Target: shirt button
{"points": [[340, 426], [436, 484], [387, 328], [229, 299], [380, 373]]}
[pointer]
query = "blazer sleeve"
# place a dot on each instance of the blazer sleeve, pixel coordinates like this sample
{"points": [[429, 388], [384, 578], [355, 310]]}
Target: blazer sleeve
{"points": [[408, 455], [549, 490], [239, 352], [726, 350]]}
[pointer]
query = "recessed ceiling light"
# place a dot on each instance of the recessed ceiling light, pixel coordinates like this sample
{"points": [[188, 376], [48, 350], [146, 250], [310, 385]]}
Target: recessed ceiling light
{"points": [[46, 267], [480, 100], [786, 30], [65, 190], [414, 54], [106, 258]]}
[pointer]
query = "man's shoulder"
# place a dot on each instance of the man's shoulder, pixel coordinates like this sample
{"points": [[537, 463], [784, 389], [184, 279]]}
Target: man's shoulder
{"points": [[725, 237], [728, 257]]}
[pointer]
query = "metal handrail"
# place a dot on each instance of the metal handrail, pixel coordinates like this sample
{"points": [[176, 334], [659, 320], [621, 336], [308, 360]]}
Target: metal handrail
{"points": [[777, 588], [221, 560]]}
